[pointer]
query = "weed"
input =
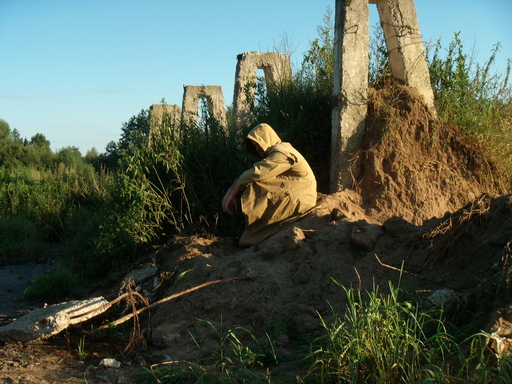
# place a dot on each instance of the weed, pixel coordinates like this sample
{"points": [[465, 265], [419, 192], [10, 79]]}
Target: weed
{"points": [[82, 354]]}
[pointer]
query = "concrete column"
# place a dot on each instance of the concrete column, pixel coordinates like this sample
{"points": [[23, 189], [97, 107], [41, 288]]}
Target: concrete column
{"points": [[163, 116], [276, 67], [351, 47], [405, 46], [213, 93]]}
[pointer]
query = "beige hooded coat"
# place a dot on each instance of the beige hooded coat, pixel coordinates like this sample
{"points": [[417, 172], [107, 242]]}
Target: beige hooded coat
{"points": [[277, 189]]}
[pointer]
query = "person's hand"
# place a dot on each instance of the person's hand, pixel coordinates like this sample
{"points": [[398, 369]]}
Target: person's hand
{"points": [[226, 197], [230, 201], [231, 204]]}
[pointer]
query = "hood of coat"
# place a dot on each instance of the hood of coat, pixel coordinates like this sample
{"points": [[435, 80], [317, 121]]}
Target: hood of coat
{"points": [[264, 135]]}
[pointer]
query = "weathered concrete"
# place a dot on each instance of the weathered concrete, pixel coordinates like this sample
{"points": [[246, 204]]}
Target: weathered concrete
{"points": [[405, 46], [164, 116], [215, 98], [45, 322], [351, 44], [350, 88], [276, 67]]}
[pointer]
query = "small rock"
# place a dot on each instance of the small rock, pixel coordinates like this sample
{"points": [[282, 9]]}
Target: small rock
{"points": [[282, 340], [160, 358], [441, 297], [364, 237], [336, 215], [110, 363], [139, 275], [141, 361]]}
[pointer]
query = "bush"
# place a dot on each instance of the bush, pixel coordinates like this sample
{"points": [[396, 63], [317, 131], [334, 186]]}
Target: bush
{"points": [[21, 240], [52, 287]]}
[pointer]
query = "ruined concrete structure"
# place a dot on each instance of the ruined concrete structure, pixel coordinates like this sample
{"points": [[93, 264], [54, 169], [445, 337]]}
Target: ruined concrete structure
{"points": [[163, 116], [214, 97], [351, 45], [276, 67]]}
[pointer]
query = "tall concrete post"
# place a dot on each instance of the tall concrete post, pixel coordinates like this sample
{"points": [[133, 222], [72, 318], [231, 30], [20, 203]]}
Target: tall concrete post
{"points": [[405, 46], [351, 61], [163, 116]]}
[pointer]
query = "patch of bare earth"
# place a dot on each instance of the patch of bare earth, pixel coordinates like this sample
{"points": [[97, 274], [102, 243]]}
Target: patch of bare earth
{"points": [[424, 200]]}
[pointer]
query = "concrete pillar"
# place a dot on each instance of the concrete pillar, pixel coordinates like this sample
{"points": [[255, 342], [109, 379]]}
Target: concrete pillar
{"points": [[405, 46], [276, 67], [351, 39], [163, 116], [213, 93], [351, 47]]}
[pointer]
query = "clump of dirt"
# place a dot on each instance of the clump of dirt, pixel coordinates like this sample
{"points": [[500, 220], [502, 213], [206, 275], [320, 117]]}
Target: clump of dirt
{"points": [[426, 201], [414, 167]]}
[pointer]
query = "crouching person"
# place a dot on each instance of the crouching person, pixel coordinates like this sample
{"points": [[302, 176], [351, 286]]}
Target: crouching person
{"points": [[279, 188]]}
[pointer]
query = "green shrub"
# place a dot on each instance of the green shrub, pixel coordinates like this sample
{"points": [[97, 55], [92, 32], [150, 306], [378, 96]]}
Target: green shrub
{"points": [[54, 286], [20, 240]]}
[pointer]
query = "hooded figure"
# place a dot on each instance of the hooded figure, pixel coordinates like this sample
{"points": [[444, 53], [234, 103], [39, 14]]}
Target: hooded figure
{"points": [[278, 189]]}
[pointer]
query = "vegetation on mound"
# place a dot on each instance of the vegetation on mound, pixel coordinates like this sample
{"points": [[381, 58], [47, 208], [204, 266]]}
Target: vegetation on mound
{"points": [[380, 339]]}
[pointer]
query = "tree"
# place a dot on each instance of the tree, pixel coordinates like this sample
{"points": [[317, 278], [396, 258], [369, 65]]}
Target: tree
{"points": [[93, 158], [135, 132], [318, 61], [5, 130], [39, 140]]}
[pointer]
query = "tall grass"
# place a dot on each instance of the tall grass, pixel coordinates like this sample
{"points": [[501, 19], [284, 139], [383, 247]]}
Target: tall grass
{"points": [[35, 206], [381, 339], [474, 97]]}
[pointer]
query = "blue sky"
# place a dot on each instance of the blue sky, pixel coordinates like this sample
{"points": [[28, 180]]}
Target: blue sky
{"points": [[76, 70]]}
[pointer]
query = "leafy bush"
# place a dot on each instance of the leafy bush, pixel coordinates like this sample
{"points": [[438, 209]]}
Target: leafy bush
{"points": [[20, 240], [53, 286]]}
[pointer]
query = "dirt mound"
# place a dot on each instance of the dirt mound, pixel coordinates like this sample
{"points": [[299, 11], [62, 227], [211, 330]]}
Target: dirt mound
{"points": [[412, 166], [290, 278]]}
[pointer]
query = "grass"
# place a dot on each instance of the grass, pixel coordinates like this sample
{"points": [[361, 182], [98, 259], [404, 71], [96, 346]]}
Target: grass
{"points": [[378, 339]]}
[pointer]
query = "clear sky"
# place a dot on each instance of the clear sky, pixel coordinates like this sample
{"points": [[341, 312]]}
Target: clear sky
{"points": [[75, 70]]}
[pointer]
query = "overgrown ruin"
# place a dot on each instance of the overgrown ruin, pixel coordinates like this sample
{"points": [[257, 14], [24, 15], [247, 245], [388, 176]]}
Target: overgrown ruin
{"points": [[214, 98], [276, 67], [408, 64]]}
